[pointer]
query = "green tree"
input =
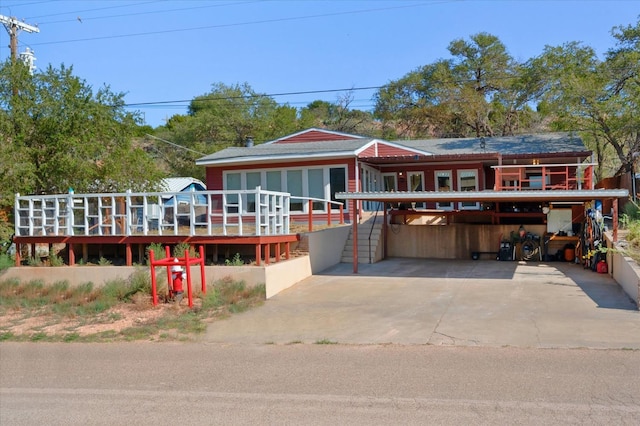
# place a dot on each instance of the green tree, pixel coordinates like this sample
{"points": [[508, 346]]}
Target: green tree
{"points": [[58, 134], [579, 92], [224, 117], [478, 92], [338, 116]]}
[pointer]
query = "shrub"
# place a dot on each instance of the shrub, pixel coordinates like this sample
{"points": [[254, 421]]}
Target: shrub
{"points": [[236, 261], [158, 251]]}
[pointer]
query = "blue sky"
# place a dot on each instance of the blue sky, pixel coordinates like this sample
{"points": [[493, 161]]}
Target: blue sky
{"points": [[159, 51]]}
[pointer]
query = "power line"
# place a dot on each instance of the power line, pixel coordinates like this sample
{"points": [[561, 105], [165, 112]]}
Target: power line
{"points": [[139, 13], [93, 10], [239, 24], [220, 98]]}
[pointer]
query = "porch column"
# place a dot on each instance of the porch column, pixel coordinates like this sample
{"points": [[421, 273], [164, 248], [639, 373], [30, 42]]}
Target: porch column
{"points": [[128, 254], [354, 221], [384, 231], [615, 220]]}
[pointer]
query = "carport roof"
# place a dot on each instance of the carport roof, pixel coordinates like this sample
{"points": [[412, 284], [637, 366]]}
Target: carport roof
{"points": [[487, 196]]}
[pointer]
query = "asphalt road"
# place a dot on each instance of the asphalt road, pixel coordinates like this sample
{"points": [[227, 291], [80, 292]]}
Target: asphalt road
{"points": [[196, 383]]}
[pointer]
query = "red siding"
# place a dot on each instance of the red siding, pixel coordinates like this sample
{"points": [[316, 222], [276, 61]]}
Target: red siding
{"points": [[385, 150], [315, 136], [369, 152]]}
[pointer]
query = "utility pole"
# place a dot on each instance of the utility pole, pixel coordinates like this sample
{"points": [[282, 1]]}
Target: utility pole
{"points": [[13, 26]]}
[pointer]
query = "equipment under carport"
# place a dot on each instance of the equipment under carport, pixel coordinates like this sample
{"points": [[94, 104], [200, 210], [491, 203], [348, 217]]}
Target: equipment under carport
{"points": [[506, 251]]}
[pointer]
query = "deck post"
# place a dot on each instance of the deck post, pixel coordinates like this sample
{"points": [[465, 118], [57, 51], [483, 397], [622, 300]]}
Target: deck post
{"points": [[72, 254], [258, 253], [128, 254], [18, 251]]}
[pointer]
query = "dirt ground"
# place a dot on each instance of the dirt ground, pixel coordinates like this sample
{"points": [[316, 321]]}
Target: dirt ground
{"points": [[120, 317]]}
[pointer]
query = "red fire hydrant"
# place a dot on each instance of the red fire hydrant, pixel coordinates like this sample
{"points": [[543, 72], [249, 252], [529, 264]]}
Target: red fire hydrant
{"points": [[177, 276]]}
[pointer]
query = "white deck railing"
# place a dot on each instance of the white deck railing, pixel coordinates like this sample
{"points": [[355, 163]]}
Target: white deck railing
{"points": [[239, 212]]}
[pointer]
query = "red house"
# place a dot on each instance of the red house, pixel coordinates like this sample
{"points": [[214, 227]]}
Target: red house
{"points": [[503, 181]]}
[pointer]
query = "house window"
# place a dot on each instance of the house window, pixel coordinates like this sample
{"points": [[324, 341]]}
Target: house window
{"points": [[468, 181], [535, 180], [337, 183], [274, 180], [390, 182], [294, 187], [416, 183], [253, 181], [233, 182], [315, 179], [321, 183], [443, 184]]}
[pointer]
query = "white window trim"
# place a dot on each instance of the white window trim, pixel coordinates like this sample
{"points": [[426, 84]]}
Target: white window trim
{"points": [[435, 177], [475, 206], [283, 181], [395, 180], [420, 204]]}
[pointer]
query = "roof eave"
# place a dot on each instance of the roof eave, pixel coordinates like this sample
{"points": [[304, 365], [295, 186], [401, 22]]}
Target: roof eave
{"points": [[274, 158], [486, 196]]}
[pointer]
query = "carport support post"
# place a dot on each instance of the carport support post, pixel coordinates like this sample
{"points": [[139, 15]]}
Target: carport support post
{"points": [[354, 220], [615, 220]]}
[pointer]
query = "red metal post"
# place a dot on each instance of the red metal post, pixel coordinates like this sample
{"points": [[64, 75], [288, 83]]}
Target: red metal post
{"points": [[310, 215], [167, 255], [341, 214], [615, 220], [188, 266], [355, 239], [329, 206], [384, 231], [154, 287], [204, 282]]}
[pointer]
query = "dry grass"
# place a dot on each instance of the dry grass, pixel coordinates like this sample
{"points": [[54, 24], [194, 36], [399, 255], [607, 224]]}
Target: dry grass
{"points": [[121, 310]]}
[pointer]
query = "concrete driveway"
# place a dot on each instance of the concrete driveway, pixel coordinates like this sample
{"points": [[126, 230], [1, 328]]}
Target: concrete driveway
{"points": [[443, 302]]}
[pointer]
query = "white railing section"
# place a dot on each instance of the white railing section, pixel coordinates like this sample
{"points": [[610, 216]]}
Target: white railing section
{"points": [[234, 212]]}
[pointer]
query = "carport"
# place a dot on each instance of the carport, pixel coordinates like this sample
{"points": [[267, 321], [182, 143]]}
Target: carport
{"points": [[538, 196]]}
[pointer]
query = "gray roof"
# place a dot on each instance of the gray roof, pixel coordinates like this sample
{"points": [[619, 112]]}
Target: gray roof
{"points": [[177, 184], [301, 149], [547, 143]]}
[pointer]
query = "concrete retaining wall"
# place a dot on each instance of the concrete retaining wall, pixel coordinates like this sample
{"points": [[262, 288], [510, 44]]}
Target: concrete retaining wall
{"points": [[326, 246], [276, 276], [325, 249], [625, 271], [282, 275]]}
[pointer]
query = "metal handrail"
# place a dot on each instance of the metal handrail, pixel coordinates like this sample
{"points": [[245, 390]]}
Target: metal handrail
{"points": [[373, 224]]}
